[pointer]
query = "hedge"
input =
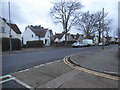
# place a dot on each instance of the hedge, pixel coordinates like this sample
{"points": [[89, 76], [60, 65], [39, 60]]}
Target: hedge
{"points": [[16, 44], [35, 44], [113, 42], [62, 44]]}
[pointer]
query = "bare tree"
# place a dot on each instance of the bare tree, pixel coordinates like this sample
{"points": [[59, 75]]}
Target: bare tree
{"points": [[91, 23], [87, 23], [66, 13], [107, 28]]}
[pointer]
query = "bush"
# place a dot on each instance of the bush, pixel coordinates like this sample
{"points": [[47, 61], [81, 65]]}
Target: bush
{"points": [[62, 44], [16, 44], [24, 46], [113, 42], [34, 44], [68, 42]]}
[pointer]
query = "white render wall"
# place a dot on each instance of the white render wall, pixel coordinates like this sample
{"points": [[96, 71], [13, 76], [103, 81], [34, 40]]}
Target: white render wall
{"points": [[7, 31], [27, 36], [47, 37]]}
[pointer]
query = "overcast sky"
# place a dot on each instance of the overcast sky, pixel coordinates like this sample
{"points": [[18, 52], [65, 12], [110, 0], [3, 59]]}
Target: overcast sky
{"points": [[36, 12]]}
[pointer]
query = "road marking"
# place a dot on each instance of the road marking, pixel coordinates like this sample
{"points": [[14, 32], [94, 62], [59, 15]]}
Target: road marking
{"points": [[37, 66], [90, 71], [24, 70], [10, 77], [15, 79], [23, 84]]}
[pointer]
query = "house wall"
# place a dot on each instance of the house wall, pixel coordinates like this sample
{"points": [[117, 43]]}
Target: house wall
{"points": [[28, 35], [57, 40], [6, 31], [47, 40], [62, 39], [69, 38], [95, 39]]}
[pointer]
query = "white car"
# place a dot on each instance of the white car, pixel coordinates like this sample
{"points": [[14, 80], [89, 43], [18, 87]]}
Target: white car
{"points": [[105, 44], [100, 44], [88, 42], [78, 44]]}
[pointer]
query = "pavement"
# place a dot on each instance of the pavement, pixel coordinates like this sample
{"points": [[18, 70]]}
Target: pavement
{"points": [[80, 74], [105, 61]]}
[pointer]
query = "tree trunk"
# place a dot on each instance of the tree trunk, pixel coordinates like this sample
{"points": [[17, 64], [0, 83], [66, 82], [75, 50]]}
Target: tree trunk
{"points": [[99, 37], [65, 38]]}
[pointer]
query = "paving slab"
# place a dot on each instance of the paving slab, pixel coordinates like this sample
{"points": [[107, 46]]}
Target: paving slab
{"points": [[40, 75], [102, 60], [59, 75], [85, 80]]}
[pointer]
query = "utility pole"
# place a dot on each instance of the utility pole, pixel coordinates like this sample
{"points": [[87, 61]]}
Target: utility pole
{"points": [[103, 29], [10, 40]]}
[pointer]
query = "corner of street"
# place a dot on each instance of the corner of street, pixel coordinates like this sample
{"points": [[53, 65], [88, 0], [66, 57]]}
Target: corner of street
{"points": [[91, 69]]}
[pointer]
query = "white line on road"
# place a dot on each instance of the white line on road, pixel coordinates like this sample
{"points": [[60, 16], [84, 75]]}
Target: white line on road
{"points": [[5, 76], [22, 83], [15, 79], [24, 70]]}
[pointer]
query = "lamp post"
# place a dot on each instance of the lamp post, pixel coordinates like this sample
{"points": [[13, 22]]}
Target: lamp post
{"points": [[103, 29], [10, 36]]}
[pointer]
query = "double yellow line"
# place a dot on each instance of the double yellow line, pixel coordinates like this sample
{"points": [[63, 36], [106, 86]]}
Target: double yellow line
{"points": [[89, 71]]}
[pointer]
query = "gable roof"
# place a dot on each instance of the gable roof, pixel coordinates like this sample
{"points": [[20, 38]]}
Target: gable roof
{"points": [[39, 31], [59, 35], [15, 28]]}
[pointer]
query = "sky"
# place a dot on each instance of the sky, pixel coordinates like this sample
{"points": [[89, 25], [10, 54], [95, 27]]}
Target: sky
{"points": [[36, 12]]}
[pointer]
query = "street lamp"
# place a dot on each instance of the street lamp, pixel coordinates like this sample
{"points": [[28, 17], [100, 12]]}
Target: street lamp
{"points": [[103, 29], [10, 36]]}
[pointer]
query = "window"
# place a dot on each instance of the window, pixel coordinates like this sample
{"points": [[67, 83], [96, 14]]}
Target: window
{"points": [[3, 30], [32, 35]]}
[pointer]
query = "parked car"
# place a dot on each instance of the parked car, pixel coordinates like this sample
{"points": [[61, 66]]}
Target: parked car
{"points": [[88, 42], [100, 44], [105, 44], [78, 44]]}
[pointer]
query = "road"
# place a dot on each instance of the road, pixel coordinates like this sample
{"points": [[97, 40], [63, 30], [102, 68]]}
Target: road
{"points": [[27, 59]]}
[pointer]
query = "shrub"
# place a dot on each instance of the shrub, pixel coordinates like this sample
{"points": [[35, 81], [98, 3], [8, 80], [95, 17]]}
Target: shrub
{"points": [[113, 42], [16, 44], [24, 46], [34, 44], [62, 44]]}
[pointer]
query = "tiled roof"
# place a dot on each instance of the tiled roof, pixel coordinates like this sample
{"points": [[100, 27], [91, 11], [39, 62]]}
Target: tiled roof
{"points": [[59, 35], [15, 28], [39, 31]]}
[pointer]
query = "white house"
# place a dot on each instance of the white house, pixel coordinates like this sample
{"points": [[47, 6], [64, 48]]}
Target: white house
{"points": [[5, 30], [95, 39], [33, 33], [59, 37]]}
